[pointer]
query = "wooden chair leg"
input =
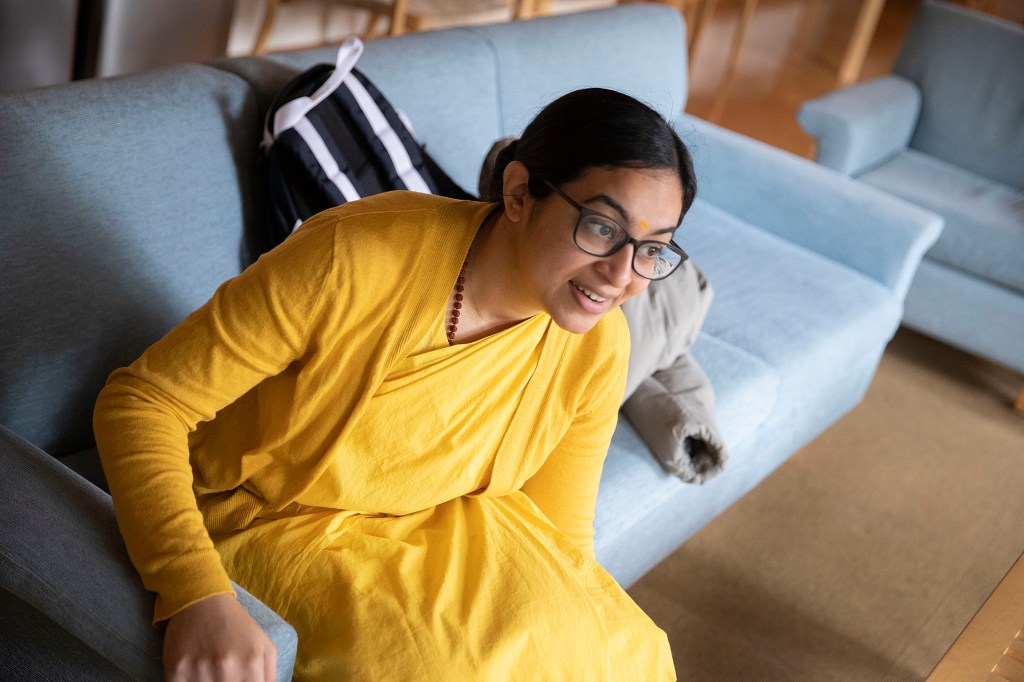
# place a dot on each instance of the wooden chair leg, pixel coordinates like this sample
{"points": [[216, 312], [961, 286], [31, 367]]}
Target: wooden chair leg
{"points": [[705, 8], [1019, 405], [534, 8], [371, 26], [268, 23], [527, 9], [522, 9], [857, 49], [399, 17], [749, 7], [416, 22]]}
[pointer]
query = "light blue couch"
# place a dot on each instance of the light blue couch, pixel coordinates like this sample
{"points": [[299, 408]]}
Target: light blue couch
{"points": [[945, 130], [126, 202]]}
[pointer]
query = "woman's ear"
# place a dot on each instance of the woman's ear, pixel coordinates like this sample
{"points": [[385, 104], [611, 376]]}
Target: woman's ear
{"points": [[515, 190]]}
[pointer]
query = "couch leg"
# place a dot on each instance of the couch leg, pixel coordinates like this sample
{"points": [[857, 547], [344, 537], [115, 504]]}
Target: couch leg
{"points": [[1019, 405]]}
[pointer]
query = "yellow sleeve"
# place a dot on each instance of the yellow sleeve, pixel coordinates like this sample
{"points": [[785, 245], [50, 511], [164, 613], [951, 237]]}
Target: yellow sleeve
{"points": [[253, 327], [565, 487]]}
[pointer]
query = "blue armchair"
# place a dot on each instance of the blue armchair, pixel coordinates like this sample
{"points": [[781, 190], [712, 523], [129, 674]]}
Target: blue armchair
{"points": [[945, 130]]}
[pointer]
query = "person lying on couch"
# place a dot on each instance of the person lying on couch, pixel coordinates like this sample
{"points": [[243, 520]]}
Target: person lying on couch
{"points": [[391, 428]]}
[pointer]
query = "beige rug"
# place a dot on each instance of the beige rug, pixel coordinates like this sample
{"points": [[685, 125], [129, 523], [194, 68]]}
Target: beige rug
{"points": [[864, 555]]}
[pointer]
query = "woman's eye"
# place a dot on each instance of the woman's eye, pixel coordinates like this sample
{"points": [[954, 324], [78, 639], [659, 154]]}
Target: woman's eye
{"points": [[601, 228], [653, 251]]}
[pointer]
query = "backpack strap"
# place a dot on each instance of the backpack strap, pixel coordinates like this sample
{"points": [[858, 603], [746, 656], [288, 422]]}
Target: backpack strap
{"points": [[289, 114]]}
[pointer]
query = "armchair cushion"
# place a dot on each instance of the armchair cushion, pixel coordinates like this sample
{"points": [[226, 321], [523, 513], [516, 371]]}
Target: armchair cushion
{"points": [[968, 312], [863, 125], [984, 233], [968, 67]]}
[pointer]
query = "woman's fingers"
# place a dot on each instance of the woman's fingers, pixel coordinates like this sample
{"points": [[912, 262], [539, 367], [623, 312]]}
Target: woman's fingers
{"points": [[270, 664], [215, 640]]}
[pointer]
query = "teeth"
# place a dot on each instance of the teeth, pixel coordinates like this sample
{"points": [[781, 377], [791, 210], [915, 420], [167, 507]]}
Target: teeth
{"points": [[590, 294]]}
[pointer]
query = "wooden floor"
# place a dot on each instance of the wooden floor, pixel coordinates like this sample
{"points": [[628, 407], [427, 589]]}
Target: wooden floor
{"points": [[791, 54]]}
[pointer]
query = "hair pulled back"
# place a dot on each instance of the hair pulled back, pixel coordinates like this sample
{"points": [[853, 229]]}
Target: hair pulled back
{"points": [[594, 128]]}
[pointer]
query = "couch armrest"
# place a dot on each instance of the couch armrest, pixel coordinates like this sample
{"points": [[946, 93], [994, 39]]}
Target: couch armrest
{"points": [[61, 552], [863, 125], [842, 219]]}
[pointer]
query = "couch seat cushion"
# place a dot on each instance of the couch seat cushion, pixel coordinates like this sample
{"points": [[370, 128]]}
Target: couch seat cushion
{"points": [[633, 482], [984, 232], [801, 313]]}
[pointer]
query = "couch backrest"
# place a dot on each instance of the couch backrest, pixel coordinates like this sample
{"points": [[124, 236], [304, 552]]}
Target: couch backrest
{"points": [[464, 88], [970, 68], [123, 205], [639, 49]]}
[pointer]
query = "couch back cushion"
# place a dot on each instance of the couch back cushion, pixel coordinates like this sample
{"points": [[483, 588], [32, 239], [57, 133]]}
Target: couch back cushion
{"points": [[443, 81], [124, 203], [970, 68], [639, 49]]}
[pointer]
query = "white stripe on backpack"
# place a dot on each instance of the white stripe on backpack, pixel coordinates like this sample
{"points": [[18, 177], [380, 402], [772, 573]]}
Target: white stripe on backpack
{"points": [[388, 137], [330, 166]]}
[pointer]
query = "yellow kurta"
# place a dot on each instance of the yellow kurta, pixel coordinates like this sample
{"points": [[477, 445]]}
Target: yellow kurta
{"points": [[414, 510]]}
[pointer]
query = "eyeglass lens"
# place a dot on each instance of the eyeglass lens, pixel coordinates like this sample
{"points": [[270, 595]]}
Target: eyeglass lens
{"points": [[601, 236]]}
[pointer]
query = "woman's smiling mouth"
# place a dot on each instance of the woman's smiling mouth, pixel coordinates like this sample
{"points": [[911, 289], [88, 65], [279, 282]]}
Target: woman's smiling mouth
{"points": [[588, 299]]}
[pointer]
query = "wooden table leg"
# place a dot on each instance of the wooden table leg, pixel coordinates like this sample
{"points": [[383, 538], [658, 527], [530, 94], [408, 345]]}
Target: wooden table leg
{"points": [[857, 50]]}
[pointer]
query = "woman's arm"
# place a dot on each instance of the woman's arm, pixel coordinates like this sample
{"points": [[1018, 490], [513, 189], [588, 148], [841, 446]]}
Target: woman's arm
{"points": [[253, 327], [565, 487]]}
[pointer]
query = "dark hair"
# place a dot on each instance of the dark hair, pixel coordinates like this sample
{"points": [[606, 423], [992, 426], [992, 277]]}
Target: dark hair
{"points": [[594, 128]]}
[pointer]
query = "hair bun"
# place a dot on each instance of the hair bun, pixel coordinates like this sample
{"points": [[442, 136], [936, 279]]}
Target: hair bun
{"points": [[501, 154]]}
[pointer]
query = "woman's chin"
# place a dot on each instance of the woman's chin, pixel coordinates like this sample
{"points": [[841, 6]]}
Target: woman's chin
{"points": [[578, 323]]}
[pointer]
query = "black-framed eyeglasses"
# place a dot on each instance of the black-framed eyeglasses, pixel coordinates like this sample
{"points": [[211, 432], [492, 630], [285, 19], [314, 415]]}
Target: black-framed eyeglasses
{"points": [[599, 235]]}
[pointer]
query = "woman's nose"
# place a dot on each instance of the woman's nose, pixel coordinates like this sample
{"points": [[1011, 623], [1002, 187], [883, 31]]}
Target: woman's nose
{"points": [[618, 267]]}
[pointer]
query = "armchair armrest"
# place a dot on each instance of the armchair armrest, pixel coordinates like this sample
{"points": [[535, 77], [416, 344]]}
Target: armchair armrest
{"points": [[842, 219], [62, 553], [861, 126]]}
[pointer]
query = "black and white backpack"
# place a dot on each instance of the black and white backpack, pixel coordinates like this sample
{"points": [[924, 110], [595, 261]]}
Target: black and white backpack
{"points": [[332, 137]]}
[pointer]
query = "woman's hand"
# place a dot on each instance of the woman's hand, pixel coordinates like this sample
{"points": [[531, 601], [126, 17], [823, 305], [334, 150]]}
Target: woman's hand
{"points": [[215, 639]]}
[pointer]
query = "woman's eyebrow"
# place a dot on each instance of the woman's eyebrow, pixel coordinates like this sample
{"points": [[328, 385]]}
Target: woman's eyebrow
{"points": [[604, 198], [666, 230]]}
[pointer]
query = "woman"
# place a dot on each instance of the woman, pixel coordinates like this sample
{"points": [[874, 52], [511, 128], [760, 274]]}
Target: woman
{"points": [[391, 428]]}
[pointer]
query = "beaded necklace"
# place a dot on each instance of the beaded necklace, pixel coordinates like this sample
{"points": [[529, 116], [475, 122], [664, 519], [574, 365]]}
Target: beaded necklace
{"points": [[460, 286]]}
